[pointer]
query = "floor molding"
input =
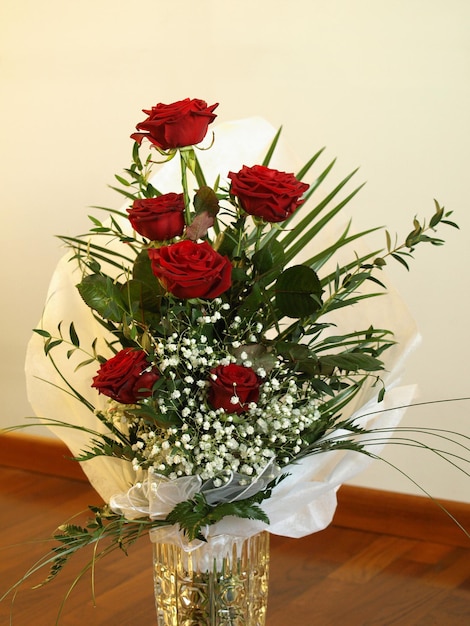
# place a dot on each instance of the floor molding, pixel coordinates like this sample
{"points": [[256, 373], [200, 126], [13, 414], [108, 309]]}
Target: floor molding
{"points": [[43, 455], [359, 508]]}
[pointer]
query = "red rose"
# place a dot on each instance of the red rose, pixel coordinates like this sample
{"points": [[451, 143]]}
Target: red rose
{"points": [[191, 270], [233, 381], [176, 125], [158, 218], [267, 193], [126, 377]]}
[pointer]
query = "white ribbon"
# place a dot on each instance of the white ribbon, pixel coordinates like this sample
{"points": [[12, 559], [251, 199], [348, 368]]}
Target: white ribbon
{"points": [[156, 496]]}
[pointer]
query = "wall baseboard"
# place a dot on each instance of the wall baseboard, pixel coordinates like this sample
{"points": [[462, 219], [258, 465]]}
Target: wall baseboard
{"points": [[43, 455], [404, 515], [373, 510]]}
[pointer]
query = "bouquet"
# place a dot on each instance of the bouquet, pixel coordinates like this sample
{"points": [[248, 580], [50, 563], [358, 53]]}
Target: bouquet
{"points": [[224, 351]]}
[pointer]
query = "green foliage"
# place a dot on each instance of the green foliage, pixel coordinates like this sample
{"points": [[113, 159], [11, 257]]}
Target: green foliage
{"points": [[102, 295], [403, 252], [298, 292], [192, 515], [269, 260]]}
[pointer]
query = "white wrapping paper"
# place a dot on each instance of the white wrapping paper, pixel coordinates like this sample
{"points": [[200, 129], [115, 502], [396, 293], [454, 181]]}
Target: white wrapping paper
{"points": [[302, 503]]}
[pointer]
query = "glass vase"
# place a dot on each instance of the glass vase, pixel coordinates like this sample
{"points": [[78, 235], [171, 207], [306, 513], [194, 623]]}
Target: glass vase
{"points": [[223, 582]]}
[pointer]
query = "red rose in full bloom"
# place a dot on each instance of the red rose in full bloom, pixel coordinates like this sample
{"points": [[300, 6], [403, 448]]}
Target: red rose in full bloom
{"points": [[159, 218], [233, 381], [267, 193], [182, 123], [126, 377], [191, 270]]}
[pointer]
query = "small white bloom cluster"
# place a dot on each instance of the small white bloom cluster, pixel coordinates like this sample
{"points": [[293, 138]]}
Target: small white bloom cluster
{"points": [[188, 436]]}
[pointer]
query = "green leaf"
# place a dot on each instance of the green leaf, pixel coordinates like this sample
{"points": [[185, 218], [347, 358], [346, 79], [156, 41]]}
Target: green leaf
{"points": [[271, 148], [84, 363], [206, 200], [102, 295], [149, 414], [206, 205], [292, 351], [122, 180], [239, 275], [401, 260], [190, 516], [308, 165], [95, 220], [321, 386], [135, 155], [227, 242], [131, 196], [142, 271], [43, 333], [138, 297], [449, 223], [49, 345], [437, 217], [268, 257], [252, 301], [73, 336], [193, 514], [352, 362], [303, 359], [298, 292], [151, 192]]}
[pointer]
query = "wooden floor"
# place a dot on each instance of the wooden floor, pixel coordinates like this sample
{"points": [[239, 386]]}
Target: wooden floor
{"points": [[339, 577]]}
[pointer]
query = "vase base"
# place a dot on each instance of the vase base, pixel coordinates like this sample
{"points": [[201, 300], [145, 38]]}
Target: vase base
{"points": [[222, 583]]}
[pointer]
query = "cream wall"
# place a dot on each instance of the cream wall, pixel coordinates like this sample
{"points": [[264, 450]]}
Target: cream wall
{"points": [[384, 85]]}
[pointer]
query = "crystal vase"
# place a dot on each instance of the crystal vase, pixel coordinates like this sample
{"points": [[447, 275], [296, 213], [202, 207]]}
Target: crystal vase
{"points": [[223, 582]]}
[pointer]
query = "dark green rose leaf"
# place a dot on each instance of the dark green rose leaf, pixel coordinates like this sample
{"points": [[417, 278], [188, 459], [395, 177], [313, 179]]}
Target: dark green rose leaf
{"points": [[293, 351], [239, 274], [269, 257], [206, 205], [303, 359], [206, 201], [298, 292], [252, 301], [102, 295], [139, 296], [142, 271], [226, 242]]}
